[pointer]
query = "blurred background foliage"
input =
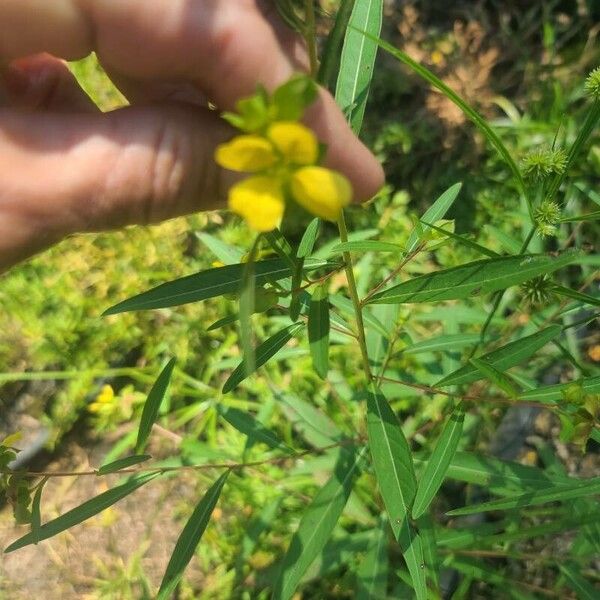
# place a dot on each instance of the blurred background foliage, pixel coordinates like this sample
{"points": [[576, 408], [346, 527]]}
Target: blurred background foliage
{"points": [[521, 63]]}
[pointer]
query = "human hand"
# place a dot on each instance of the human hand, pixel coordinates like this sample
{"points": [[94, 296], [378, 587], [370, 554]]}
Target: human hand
{"points": [[68, 168]]}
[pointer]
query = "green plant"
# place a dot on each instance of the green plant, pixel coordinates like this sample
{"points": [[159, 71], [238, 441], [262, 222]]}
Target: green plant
{"points": [[288, 290]]}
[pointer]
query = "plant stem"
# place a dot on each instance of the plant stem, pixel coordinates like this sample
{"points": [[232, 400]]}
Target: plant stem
{"points": [[360, 326], [311, 36]]}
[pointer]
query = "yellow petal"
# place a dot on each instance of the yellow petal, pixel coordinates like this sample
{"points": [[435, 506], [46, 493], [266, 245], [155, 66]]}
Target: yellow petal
{"points": [[246, 153], [260, 201], [297, 143], [320, 191]]}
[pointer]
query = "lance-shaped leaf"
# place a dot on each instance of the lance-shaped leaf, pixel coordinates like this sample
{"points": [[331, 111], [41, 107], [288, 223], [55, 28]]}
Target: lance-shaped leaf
{"points": [[330, 58], [307, 243], [152, 405], [395, 473], [578, 489], [227, 254], [358, 61], [504, 358], [318, 330], [392, 459], [190, 538], [82, 513], [317, 524], [262, 354], [201, 286], [256, 431], [435, 472], [434, 213], [474, 279], [575, 295]]}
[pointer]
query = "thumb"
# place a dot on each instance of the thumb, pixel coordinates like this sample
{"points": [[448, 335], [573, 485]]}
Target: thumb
{"points": [[65, 173]]}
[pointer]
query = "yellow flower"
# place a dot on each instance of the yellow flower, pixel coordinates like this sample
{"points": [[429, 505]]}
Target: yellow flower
{"points": [[260, 201], [106, 395], [320, 191], [297, 143], [247, 154]]}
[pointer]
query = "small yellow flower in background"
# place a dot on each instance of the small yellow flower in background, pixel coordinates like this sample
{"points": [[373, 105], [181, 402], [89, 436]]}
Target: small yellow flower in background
{"points": [[103, 400], [283, 156]]}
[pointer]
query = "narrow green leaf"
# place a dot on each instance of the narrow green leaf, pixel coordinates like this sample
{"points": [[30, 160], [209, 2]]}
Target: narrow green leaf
{"points": [[201, 286], [392, 459], [318, 330], [502, 380], [593, 216], [307, 243], [554, 393], [443, 343], [512, 354], [227, 254], [579, 489], [434, 213], [575, 295], [249, 426], [262, 354], [297, 291], [190, 538], [82, 512], [372, 573], [330, 59], [152, 405], [435, 472], [474, 279], [123, 463], [357, 62], [578, 583], [317, 524], [223, 322], [367, 246]]}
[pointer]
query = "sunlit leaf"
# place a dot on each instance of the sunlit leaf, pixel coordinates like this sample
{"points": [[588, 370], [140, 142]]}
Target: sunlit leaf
{"points": [[357, 62], [262, 354], [435, 472], [190, 538], [152, 405], [82, 512], [473, 279]]}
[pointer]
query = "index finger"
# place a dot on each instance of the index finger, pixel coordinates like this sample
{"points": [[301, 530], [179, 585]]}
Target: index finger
{"points": [[226, 47]]}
